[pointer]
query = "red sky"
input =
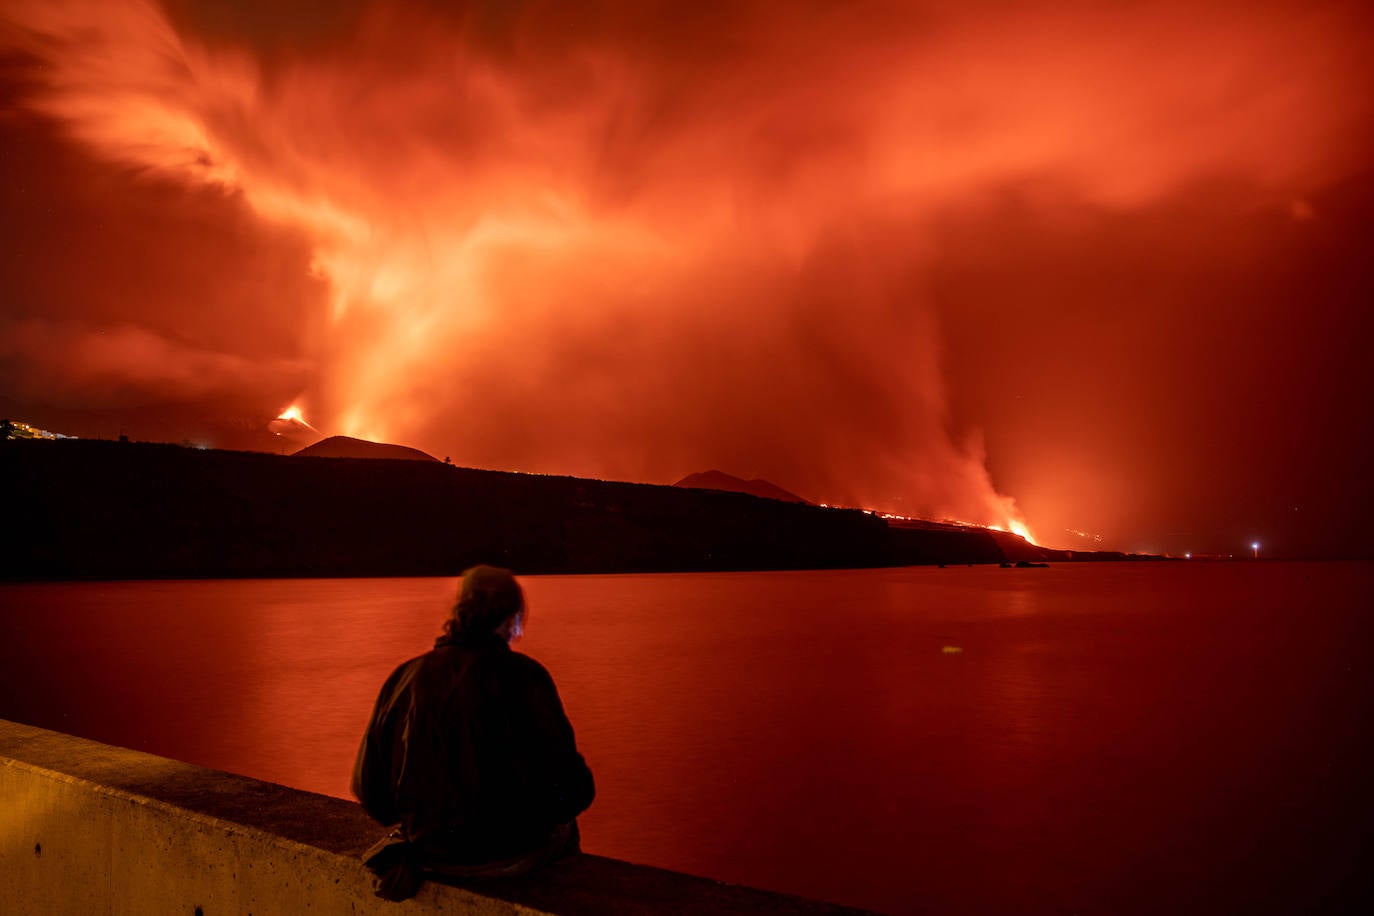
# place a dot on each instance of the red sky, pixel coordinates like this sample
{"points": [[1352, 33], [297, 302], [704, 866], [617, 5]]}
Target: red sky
{"points": [[1101, 267]]}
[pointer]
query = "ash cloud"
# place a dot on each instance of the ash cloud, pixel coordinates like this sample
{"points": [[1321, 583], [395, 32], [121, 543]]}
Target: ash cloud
{"points": [[74, 365], [639, 240]]}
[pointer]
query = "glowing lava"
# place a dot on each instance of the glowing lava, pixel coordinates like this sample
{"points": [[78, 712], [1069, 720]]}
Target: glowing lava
{"points": [[291, 425], [1013, 526]]}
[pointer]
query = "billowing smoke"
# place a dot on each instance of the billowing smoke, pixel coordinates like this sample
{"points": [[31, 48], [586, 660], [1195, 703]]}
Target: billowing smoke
{"points": [[635, 241]]}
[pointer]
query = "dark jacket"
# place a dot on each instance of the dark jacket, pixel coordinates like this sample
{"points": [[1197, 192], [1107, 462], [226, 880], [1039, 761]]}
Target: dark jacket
{"points": [[469, 749]]}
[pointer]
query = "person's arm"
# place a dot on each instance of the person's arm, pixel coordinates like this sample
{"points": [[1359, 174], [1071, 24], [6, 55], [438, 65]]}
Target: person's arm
{"points": [[374, 784], [569, 780]]}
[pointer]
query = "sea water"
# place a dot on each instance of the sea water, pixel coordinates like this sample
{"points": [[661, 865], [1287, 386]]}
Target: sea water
{"points": [[1131, 737]]}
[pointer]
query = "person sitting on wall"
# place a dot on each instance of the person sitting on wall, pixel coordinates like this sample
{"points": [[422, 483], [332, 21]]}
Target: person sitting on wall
{"points": [[469, 750]]}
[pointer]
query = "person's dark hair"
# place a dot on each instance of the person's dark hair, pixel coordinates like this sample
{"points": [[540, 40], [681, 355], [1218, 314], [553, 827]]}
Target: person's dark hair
{"points": [[487, 597]]}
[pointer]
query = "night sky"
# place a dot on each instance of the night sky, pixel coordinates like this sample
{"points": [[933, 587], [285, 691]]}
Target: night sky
{"points": [[1104, 269]]}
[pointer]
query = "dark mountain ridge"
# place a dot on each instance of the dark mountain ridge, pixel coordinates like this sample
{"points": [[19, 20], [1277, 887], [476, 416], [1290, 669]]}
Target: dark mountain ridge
{"points": [[719, 480], [110, 510], [348, 447]]}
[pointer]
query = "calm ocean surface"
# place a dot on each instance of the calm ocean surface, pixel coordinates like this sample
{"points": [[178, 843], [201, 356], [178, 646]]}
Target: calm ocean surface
{"points": [[1110, 738]]}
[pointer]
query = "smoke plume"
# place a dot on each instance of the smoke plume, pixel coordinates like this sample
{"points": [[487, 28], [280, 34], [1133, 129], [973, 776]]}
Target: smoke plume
{"points": [[640, 240]]}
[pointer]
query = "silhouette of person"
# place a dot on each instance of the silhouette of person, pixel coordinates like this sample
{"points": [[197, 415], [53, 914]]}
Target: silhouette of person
{"points": [[469, 751]]}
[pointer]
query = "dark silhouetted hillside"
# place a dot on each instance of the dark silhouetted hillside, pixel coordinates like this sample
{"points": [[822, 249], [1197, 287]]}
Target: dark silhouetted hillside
{"points": [[719, 480], [348, 447], [81, 508]]}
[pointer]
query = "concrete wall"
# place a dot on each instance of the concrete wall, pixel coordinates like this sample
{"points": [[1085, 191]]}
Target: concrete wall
{"points": [[86, 828]]}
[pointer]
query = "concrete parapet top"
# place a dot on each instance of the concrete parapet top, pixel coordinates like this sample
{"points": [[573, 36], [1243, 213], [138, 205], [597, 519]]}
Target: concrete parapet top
{"points": [[339, 828]]}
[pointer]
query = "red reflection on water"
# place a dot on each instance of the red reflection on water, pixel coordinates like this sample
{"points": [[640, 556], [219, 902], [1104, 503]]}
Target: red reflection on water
{"points": [[1119, 738]]}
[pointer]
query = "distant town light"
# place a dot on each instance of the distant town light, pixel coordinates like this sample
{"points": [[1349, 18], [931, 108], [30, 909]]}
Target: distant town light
{"points": [[17, 429]]}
